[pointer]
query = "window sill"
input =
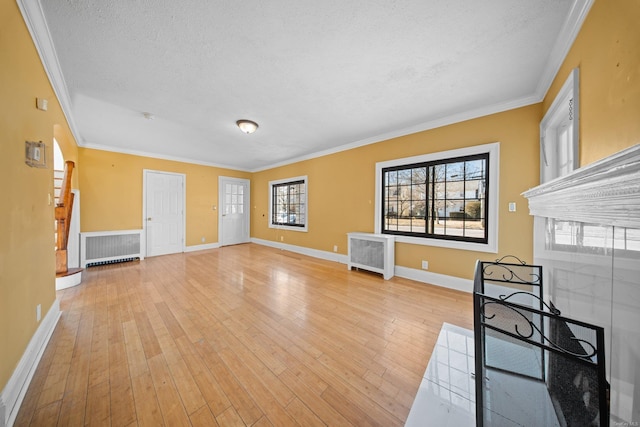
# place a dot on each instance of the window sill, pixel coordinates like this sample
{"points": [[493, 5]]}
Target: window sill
{"points": [[288, 227], [490, 247]]}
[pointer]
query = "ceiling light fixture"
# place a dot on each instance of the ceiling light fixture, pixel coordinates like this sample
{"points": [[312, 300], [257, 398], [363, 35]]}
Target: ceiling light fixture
{"points": [[247, 126]]}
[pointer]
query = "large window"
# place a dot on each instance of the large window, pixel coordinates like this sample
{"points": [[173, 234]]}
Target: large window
{"points": [[440, 199], [288, 206], [443, 199]]}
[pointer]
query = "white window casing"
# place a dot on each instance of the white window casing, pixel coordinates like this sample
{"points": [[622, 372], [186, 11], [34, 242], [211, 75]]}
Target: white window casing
{"points": [[493, 201]]}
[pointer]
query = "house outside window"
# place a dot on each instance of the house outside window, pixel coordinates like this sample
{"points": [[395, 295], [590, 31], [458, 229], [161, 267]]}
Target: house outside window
{"points": [[288, 203], [440, 199], [446, 199]]}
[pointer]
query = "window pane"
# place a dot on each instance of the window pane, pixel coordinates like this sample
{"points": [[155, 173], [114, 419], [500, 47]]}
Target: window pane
{"points": [[455, 171], [474, 170], [437, 199], [418, 225], [392, 177], [404, 176], [288, 205]]}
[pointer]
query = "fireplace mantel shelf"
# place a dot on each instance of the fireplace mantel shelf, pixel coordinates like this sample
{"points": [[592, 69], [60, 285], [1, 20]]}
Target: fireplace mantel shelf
{"points": [[605, 192]]}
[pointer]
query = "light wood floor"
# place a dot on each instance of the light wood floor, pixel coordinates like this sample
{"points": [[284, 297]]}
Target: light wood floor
{"points": [[242, 335]]}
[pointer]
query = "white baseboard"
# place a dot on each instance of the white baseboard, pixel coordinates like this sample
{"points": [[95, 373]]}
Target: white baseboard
{"points": [[195, 248], [316, 253], [16, 388], [68, 281], [442, 280]]}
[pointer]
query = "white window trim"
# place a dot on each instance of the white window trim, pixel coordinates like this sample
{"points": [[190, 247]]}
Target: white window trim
{"points": [[494, 178], [306, 203], [555, 113]]}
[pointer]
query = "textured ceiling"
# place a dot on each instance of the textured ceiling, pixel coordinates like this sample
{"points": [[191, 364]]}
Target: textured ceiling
{"points": [[317, 76]]}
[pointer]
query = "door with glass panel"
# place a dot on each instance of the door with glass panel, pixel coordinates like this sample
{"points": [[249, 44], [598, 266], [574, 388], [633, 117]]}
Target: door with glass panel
{"points": [[234, 211]]}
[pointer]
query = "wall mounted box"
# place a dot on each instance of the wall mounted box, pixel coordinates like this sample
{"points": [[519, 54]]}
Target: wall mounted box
{"points": [[35, 154]]}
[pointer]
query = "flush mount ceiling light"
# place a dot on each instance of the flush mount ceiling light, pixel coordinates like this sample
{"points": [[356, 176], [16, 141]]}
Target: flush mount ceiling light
{"points": [[247, 126]]}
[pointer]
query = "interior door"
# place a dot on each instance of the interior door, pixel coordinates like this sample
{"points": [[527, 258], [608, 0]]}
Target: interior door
{"points": [[164, 212], [234, 210]]}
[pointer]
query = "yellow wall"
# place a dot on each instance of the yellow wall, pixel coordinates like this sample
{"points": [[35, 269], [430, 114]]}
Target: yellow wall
{"points": [[111, 193], [341, 186], [27, 260], [342, 190], [607, 50]]}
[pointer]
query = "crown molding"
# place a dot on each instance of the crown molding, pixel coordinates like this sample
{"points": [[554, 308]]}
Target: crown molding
{"points": [[432, 124], [606, 192], [37, 25], [152, 155], [33, 16], [567, 36]]}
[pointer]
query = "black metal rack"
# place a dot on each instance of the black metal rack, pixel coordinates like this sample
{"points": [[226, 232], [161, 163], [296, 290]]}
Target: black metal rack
{"points": [[532, 365]]}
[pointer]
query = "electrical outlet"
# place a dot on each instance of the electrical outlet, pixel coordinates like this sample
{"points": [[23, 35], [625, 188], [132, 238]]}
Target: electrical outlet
{"points": [[425, 265], [512, 206], [282, 238], [203, 239], [335, 248], [38, 312]]}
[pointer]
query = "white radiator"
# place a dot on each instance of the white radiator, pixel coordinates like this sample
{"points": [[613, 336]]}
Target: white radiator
{"points": [[372, 252], [104, 247]]}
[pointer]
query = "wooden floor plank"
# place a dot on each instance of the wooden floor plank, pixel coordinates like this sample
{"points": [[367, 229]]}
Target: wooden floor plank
{"points": [[203, 418], [47, 415], [122, 404], [147, 407], [303, 415], [75, 396], [172, 409], [240, 335], [98, 411]]}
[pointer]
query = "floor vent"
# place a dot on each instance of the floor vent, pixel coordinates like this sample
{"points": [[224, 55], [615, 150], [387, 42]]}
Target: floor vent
{"points": [[372, 252], [107, 247]]}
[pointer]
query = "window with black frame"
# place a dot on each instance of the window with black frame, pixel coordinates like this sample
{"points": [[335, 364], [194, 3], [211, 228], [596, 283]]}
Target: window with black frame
{"points": [[443, 199], [288, 203]]}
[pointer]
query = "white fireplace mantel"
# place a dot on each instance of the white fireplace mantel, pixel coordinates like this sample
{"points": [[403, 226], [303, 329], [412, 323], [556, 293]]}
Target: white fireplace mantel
{"points": [[606, 192]]}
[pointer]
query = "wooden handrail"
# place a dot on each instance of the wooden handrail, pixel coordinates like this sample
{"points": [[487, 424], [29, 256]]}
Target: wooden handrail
{"points": [[63, 218]]}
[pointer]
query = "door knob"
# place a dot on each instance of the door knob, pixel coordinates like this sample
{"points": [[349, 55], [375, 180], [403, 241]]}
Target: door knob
{"points": [[149, 219]]}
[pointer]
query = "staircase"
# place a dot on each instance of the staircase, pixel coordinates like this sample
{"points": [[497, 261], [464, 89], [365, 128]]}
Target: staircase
{"points": [[64, 199]]}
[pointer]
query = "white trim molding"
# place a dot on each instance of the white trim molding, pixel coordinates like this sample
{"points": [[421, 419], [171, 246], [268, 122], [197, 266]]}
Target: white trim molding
{"points": [[37, 24], [436, 279], [579, 11], [606, 192], [203, 247], [493, 149], [316, 253], [304, 201], [565, 106], [16, 388], [442, 280]]}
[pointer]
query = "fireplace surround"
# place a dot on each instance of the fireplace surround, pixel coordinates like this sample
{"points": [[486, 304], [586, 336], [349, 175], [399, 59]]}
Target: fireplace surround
{"points": [[587, 241]]}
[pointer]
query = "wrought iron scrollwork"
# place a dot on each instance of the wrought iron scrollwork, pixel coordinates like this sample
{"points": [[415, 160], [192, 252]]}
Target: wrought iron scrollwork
{"points": [[498, 261], [508, 273], [552, 310], [590, 349]]}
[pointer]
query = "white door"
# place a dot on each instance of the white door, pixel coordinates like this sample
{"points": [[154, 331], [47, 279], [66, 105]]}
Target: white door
{"points": [[234, 210], [164, 212]]}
